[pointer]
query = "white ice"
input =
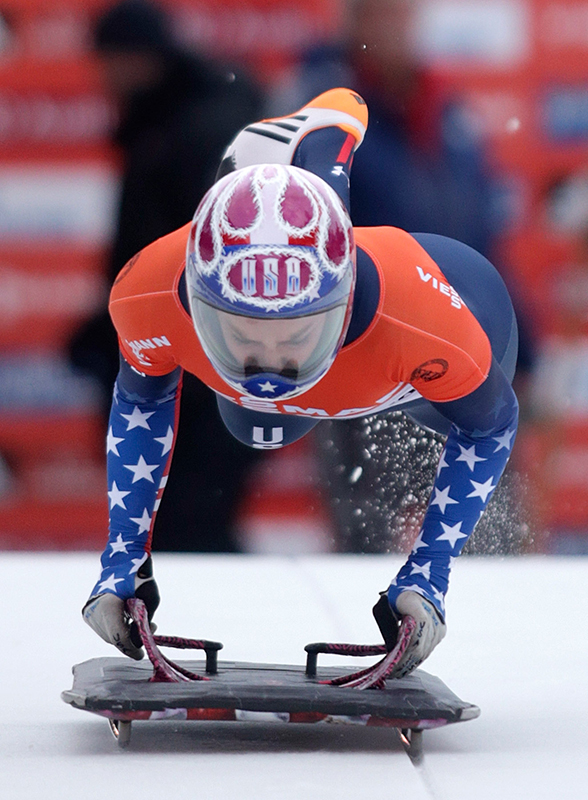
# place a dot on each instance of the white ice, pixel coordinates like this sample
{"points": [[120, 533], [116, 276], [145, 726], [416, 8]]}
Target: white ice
{"points": [[517, 646]]}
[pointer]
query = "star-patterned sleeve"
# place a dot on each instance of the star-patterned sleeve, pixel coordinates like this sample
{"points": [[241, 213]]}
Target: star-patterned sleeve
{"points": [[139, 447], [476, 452]]}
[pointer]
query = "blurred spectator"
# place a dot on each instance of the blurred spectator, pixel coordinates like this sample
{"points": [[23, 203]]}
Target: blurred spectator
{"points": [[177, 113], [421, 167]]}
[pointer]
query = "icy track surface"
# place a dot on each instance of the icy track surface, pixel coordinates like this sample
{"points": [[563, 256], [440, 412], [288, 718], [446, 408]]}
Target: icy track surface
{"points": [[517, 646]]}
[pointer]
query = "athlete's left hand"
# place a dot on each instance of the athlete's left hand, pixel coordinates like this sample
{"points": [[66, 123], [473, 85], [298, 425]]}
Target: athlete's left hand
{"points": [[430, 628]]}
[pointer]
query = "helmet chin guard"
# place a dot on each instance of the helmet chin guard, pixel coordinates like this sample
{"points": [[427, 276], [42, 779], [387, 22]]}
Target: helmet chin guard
{"points": [[270, 385], [270, 271]]}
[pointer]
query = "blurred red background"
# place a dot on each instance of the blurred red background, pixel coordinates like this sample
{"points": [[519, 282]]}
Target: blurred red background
{"points": [[521, 68]]}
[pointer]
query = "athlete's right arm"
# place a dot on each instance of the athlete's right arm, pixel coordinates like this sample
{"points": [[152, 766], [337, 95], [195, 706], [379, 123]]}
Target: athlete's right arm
{"points": [[139, 446]]}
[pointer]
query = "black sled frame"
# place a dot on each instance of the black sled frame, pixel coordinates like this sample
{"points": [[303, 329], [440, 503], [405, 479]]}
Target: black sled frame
{"points": [[124, 691]]}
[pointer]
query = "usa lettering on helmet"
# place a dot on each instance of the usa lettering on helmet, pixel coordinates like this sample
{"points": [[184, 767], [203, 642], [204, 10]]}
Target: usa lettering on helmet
{"points": [[293, 276], [248, 286], [272, 268], [270, 277]]}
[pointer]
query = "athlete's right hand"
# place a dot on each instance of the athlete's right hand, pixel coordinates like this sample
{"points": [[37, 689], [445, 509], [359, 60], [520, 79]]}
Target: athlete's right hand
{"points": [[107, 616], [430, 628]]}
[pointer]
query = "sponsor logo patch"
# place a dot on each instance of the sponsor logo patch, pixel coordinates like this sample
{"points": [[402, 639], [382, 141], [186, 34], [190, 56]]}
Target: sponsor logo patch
{"points": [[430, 370], [440, 286], [127, 267], [139, 345]]}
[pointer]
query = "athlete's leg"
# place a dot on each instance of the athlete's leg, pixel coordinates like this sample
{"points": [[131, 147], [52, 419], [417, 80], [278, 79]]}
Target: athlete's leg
{"points": [[482, 289], [321, 137]]}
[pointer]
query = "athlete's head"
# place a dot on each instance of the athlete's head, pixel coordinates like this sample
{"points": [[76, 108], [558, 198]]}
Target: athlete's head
{"points": [[270, 270]]}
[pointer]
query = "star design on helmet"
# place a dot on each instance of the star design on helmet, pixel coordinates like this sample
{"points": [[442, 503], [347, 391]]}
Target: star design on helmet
{"points": [[268, 387]]}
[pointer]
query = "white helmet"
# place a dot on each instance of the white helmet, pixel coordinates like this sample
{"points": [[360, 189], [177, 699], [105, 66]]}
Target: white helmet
{"points": [[270, 270]]}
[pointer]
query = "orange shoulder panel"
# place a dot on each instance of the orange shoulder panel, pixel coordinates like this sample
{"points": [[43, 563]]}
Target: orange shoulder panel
{"points": [[439, 346], [145, 307]]}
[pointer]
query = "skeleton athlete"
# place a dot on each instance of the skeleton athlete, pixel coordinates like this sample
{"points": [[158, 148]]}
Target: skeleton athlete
{"points": [[291, 316]]}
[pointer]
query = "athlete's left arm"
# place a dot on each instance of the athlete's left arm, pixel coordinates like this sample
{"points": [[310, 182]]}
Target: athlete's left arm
{"points": [[141, 435], [478, 446]]}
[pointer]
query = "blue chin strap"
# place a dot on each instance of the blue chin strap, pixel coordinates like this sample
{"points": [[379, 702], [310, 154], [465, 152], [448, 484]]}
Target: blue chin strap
{"points": [[269, 385]]}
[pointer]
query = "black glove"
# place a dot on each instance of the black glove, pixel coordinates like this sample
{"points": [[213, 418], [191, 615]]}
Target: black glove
{"points": [[387, 621]]}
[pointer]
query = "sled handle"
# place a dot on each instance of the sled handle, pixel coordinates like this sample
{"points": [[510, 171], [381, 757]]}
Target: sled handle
{"points": [[210, 648], [313, 650], [164, 668]]}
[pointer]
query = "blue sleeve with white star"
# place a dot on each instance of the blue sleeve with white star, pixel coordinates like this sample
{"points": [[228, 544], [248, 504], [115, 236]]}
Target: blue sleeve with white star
{"points": [[139, 447], [476, 452]]}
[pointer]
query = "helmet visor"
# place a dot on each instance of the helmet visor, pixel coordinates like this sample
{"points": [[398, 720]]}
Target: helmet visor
{"points": [[298, 348]]}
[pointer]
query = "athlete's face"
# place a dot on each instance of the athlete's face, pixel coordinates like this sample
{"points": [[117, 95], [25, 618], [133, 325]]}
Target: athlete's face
{"points": [[278, 346]]}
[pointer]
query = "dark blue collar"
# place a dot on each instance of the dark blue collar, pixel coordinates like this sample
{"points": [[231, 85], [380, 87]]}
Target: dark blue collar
{"points": [[366, 298]]}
